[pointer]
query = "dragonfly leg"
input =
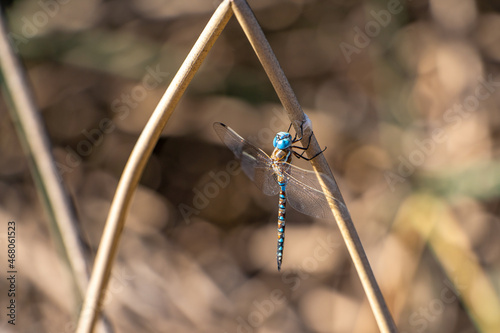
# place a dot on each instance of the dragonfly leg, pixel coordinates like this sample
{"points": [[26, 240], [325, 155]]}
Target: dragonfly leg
{"points": [[305, 148], [301, 136], [307, 158], [295, 139]]}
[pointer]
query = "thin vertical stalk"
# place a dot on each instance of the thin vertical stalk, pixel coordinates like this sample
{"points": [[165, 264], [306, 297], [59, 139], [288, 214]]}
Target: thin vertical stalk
{"points": [[136, 163], [35, 142], [261, 46]]}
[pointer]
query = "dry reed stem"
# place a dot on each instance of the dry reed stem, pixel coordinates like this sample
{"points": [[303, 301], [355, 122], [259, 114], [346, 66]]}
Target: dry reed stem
{"points": [[34, 139], [261, 46], [136, 163], [35, 142]]}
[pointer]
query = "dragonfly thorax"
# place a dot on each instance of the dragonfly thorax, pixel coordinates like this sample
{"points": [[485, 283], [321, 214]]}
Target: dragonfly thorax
{"points": [[282, 140]]}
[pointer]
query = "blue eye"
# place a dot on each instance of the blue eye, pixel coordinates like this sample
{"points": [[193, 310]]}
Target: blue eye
{"points": [[283, 144], [282, 140]]}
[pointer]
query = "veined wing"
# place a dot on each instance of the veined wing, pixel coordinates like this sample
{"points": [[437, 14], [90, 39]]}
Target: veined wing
{"points": [[256, 164], [305, 194]]}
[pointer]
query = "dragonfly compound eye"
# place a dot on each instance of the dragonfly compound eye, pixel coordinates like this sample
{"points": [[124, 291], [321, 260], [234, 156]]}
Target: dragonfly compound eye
{"points": [[282, 140]]}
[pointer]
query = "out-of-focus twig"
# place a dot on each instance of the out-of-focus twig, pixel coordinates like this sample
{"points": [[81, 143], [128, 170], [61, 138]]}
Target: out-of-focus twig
{"points": [[35, 141], [433, 220], [280, 83], [136, 163]]}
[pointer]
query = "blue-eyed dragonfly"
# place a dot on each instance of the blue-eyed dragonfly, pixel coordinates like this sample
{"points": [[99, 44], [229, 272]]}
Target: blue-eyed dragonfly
{"points": [[275, 175]]}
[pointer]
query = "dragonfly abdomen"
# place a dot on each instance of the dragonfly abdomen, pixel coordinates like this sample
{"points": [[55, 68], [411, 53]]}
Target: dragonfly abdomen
{"points": [[281, 225]]}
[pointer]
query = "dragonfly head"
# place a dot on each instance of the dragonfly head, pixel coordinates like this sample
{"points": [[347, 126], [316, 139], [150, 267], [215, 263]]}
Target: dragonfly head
{"points": [[282, 140]]}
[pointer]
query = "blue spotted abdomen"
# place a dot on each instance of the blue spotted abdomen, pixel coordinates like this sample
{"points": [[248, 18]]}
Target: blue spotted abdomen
{"points": [[281, 155], [281, 226]]}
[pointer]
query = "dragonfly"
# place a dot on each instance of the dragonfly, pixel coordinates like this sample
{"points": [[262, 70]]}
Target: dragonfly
{"points": [[276, 175]]}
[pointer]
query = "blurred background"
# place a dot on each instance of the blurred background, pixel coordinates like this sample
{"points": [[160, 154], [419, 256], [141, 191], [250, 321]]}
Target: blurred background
{"points": [[405, 95]]}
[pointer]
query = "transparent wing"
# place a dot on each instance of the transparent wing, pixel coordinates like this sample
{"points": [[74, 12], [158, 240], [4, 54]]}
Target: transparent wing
{"points": [[256, 164], [304, 192]]}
